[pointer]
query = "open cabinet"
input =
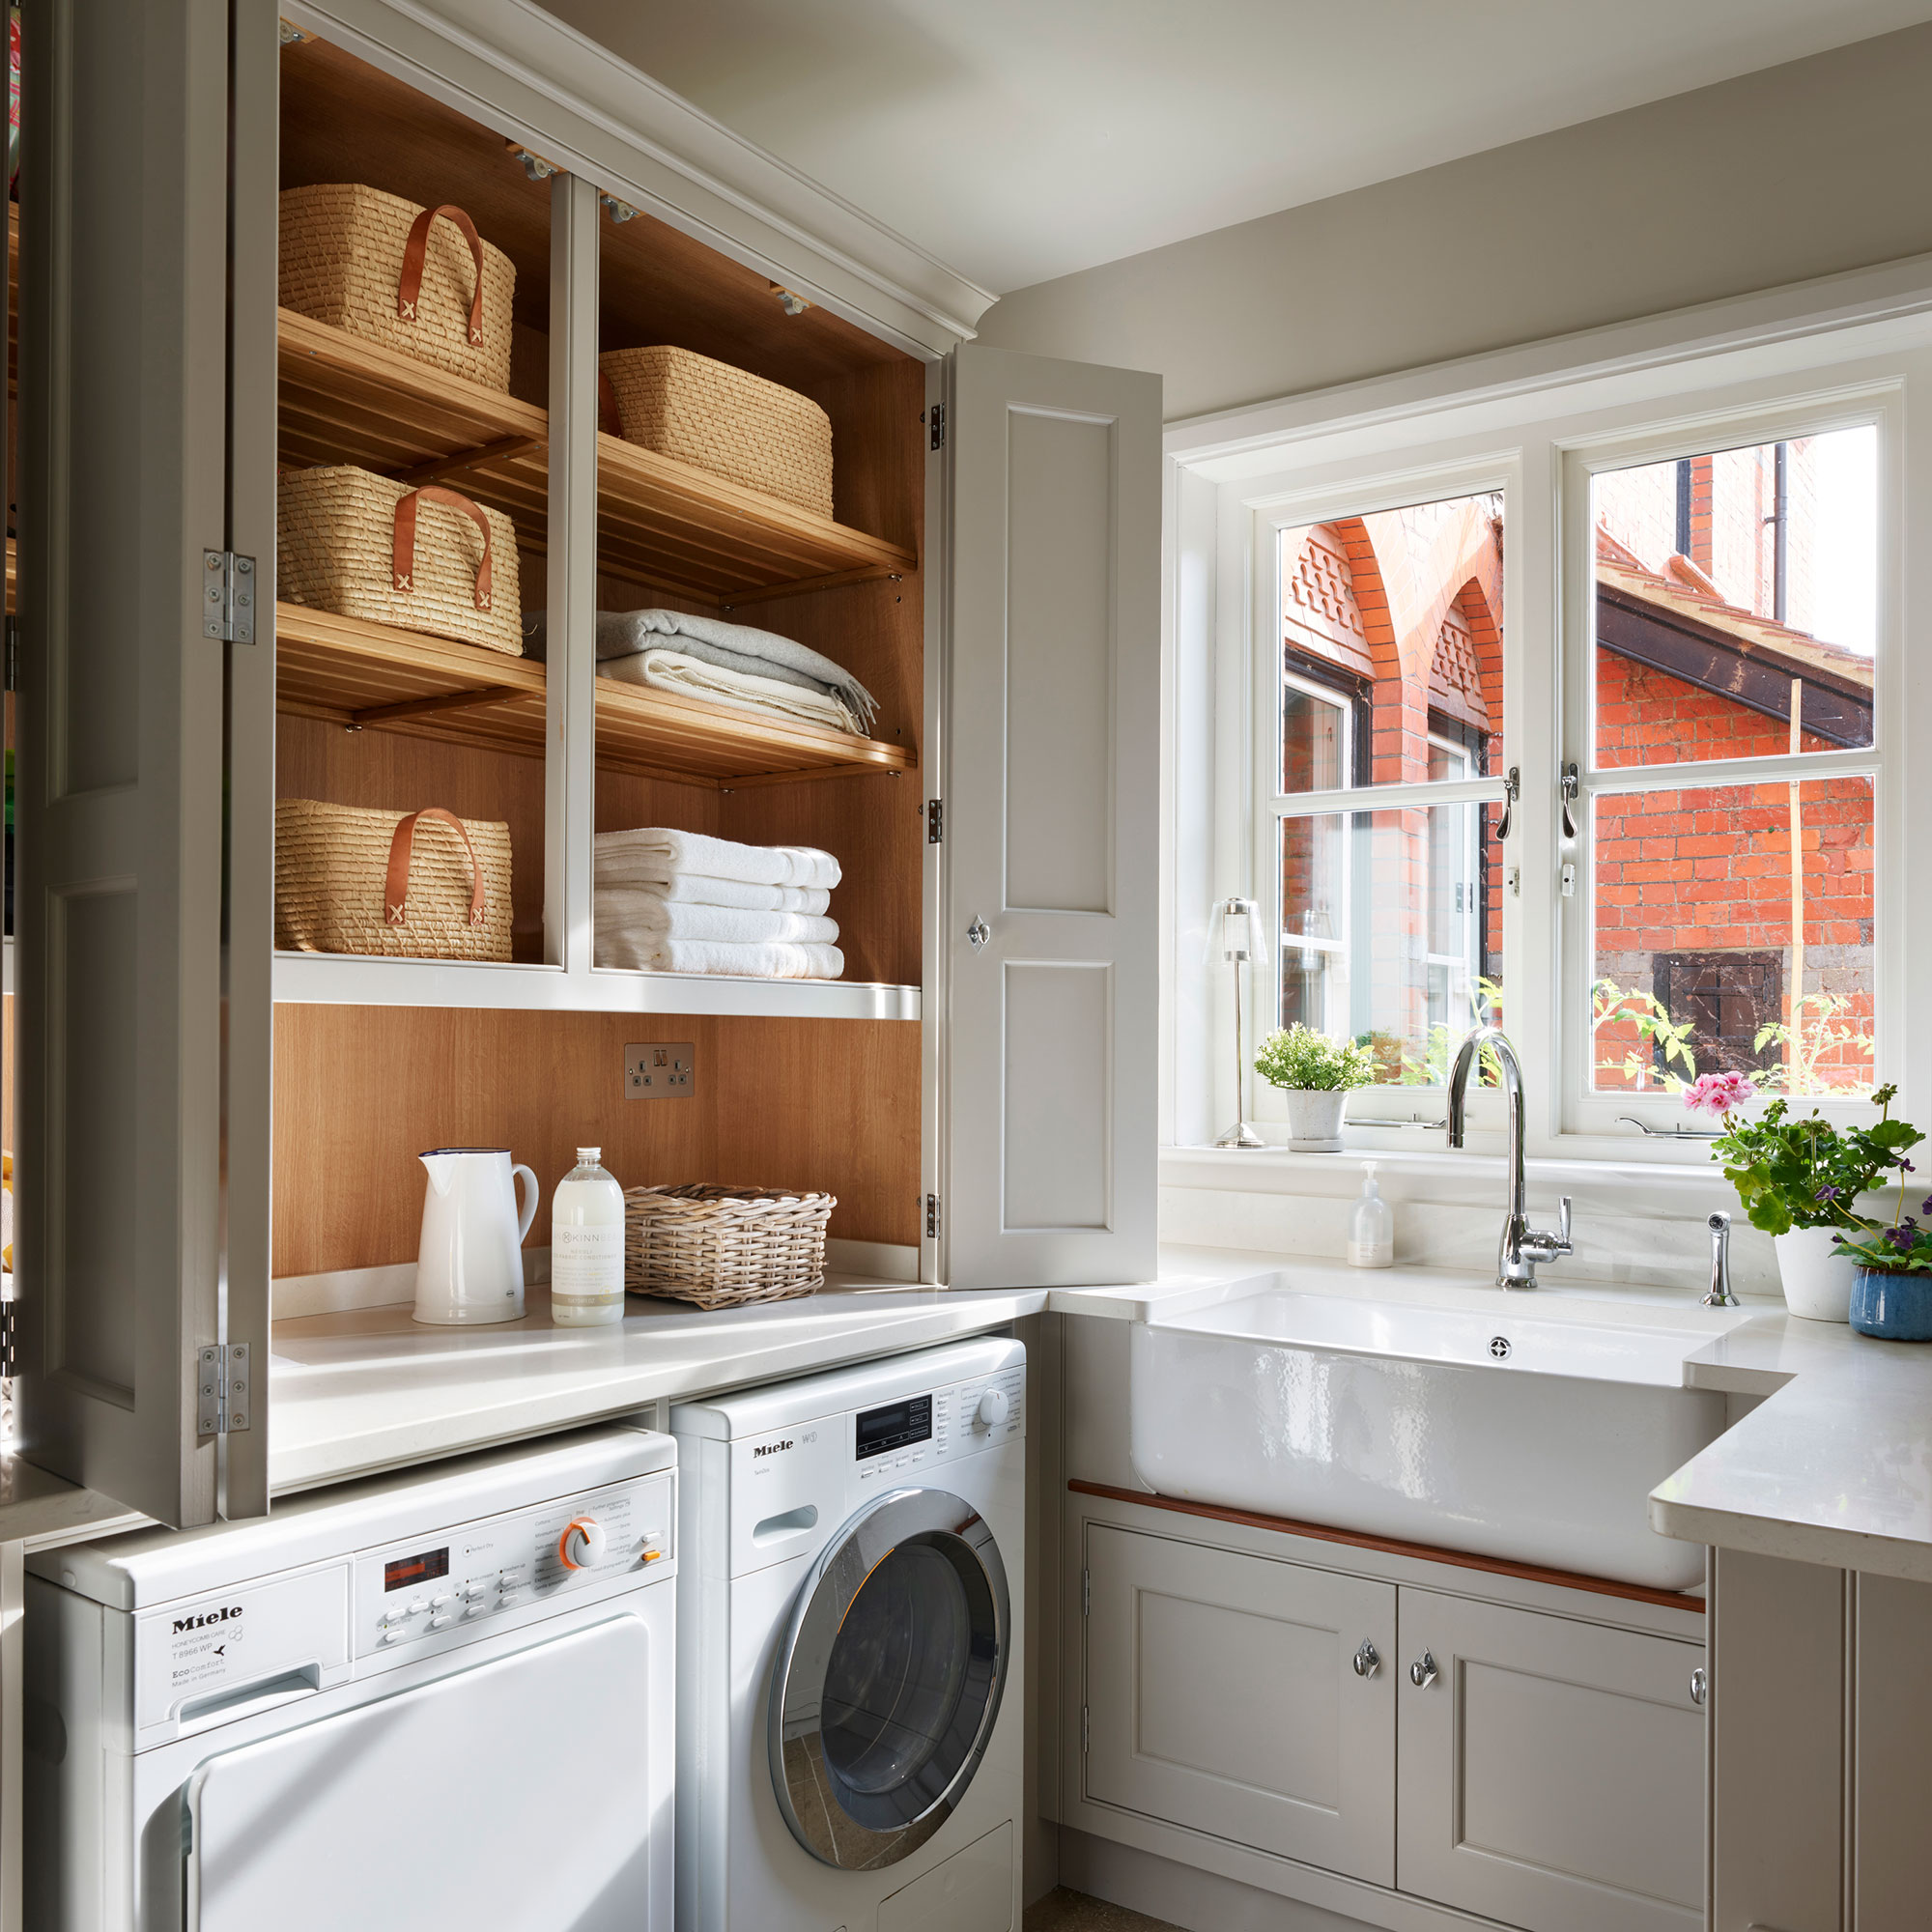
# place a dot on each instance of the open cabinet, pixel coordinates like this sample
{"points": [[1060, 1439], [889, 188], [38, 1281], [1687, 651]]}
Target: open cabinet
{"points": [[977, 1087]]}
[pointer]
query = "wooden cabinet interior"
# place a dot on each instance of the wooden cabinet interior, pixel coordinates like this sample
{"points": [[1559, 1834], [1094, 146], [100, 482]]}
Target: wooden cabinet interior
{"points": [[359, 1091]]}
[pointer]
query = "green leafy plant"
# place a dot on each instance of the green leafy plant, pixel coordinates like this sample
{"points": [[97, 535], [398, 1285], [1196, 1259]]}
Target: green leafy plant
{"points": [[1656, 1032], [1308, 1062], [1821, 1024], [1903, 1248], [1803, 1171]]}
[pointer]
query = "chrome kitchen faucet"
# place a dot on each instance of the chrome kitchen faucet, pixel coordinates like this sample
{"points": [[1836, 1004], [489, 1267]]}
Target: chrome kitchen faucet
{"points": [[1521, 1246]]}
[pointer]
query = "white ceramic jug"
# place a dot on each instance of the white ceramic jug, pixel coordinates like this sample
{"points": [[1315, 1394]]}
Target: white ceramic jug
{"points": [[469, 1266]]}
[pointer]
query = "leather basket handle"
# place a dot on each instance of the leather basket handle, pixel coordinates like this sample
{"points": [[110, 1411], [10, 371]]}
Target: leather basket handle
{"points": [[403, 540], [408, 289], [402, 847]]}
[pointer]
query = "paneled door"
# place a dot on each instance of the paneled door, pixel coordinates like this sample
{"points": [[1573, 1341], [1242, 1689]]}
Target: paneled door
{"points": [[1551, 1772], [125, 677], [1046, 972], [1242, 1696]]}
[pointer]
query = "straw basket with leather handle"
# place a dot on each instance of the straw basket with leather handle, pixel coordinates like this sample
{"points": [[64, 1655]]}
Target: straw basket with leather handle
{"points": [[428, 559], [419, 280], [411, 884], [721, 1246], [723, 420]]}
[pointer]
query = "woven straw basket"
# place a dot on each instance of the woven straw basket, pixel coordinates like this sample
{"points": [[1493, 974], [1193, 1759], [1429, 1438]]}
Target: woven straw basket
{"points": [[428, 559], [719, 419], [415, 885], [723, 1246], [419, 282]]}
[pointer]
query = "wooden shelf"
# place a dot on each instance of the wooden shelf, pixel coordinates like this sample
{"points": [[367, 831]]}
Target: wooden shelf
{"points": [[661, 522], [352, 672]]}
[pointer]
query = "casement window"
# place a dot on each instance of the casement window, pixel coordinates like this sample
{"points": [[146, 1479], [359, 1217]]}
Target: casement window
{"points": [[1581, 707]]}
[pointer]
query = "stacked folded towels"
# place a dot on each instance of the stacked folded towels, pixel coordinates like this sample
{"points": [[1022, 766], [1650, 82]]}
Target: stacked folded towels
{"points": [[733, 665], [671, 901]]}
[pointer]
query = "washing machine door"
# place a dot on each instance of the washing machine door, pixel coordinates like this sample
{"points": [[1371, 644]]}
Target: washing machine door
{"points": [[889, 1679]]}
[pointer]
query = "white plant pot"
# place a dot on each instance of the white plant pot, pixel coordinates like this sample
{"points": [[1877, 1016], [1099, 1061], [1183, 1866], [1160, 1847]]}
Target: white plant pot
{"points": [[1315, 1118], [1818, 1282]]}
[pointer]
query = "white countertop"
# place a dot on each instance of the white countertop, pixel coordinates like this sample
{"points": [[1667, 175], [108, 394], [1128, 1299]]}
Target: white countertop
{"points": [[1833, 1467], [371, 1389]]}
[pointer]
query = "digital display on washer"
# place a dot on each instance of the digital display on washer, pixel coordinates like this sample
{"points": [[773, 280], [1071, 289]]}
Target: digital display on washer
{"points": [[893, 1426], [400, 1572]]}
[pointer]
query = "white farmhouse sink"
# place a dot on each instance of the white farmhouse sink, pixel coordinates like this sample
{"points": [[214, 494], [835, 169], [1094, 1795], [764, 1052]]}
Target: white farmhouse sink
{"points": [[1533, 1434]]}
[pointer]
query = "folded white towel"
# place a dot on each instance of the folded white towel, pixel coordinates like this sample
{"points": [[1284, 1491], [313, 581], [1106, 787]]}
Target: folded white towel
{"points": [[732, 689], [777, 960], [636, 910], [655, 854], [696, 888]]}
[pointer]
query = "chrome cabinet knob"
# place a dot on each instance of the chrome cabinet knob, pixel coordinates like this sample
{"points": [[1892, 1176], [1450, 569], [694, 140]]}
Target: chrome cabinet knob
{"points": [[1700, 1685], [1422, 1672], [977, 934], [1367, 1660]]}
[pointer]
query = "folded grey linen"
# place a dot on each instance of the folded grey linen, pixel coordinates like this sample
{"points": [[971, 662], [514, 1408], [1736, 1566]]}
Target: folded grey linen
{"points": [[739, 647]]}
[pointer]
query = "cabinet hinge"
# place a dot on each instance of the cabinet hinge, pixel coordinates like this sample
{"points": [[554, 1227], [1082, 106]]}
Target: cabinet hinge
{"points": [[932, 1218], [1084, 1730], [10, 1340], [225, 1401], [935, 820], [12, 653], [939, 425], [1086, 1593], [228, 597]]}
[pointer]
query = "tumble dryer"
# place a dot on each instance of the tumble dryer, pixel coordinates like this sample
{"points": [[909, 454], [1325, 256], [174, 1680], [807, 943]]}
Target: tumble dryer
{"points": [[849, 1610]]}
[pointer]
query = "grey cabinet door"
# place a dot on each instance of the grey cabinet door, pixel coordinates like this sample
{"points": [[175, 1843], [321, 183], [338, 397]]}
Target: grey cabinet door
{"points": [[1046, 971], [1222, 1695], [1551, 1773], [124, 439]]}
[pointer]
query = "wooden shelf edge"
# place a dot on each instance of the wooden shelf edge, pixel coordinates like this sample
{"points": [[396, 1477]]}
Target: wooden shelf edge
{"points": [[327, 979], [742, 748]]}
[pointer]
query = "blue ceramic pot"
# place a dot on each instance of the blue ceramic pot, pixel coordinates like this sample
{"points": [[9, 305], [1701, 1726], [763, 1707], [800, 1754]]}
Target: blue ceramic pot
{"points": [[1895, 1307]]}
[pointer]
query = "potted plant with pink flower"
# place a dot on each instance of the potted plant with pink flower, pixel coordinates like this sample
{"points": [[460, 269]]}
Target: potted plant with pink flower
{"points": [[1800, 1179]]}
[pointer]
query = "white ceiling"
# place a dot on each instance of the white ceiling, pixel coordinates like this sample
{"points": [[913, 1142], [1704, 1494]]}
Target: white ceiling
{"points": [[1022, 139]]}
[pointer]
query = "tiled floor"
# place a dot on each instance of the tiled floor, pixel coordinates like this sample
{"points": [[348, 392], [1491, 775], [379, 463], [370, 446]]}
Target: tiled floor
{"points": [[1065, 1911]]}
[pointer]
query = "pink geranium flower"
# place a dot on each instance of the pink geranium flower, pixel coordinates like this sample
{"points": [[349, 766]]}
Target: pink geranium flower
{"points": [[1717, 1093]]}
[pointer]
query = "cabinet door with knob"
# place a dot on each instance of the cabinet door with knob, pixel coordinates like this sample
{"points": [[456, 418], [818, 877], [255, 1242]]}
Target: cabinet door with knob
{"points": [[1243, 1696], [1551, 1772]]}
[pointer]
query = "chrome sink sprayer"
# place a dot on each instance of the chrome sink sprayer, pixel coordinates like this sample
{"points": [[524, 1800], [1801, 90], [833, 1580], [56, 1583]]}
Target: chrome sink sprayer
{"points": [[1521, 1246], [1720, 1295]]}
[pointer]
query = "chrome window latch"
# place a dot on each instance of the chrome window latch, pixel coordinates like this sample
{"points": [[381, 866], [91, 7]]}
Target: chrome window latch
{"points": [[1512, 791], [1569, 786]]}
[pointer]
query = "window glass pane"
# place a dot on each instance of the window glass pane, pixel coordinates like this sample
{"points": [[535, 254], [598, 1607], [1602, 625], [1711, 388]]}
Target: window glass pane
{"points": [[1392, 931], [1313, 740], [1736, 601], [1400, 614], [1722, 946]]}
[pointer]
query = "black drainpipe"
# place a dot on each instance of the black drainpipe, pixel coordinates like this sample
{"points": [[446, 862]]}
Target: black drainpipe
{"points": [[1684, 506]]}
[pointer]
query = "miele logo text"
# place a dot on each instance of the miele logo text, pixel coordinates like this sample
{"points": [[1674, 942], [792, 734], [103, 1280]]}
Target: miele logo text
{"points": [[212, 1617], [770, 1448]]}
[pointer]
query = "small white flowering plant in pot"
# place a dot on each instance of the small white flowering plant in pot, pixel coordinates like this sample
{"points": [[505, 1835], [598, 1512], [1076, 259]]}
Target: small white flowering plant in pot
{"points": [[1315, 1075]]}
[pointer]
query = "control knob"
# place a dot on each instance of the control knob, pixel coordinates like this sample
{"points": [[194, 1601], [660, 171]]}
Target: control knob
{"points": [[581, 1544], [992, 1409]]}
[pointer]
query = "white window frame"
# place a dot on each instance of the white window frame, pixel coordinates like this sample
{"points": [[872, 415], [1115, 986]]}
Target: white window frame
{"points": [[1535, 422]]}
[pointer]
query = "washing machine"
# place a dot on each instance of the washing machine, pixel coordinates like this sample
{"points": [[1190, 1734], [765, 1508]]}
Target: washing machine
{"points": [[444, 1698], [850, 1708]]}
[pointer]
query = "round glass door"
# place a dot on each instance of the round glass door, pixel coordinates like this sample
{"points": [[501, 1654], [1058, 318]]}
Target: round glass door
{"points": [[890, 1678]]}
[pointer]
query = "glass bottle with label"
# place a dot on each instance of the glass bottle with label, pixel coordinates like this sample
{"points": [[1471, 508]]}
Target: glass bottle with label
{"points": [[586, 1245]]}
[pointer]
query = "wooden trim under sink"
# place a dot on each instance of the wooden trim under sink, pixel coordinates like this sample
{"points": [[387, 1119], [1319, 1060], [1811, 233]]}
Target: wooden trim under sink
{"points": [[1460, 1559]]}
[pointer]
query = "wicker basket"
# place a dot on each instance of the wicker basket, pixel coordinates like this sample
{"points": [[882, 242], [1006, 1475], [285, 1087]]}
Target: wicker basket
{"points": [[416, 885], [429, 559], [719, 419], [723, 1246], [419, 282]]}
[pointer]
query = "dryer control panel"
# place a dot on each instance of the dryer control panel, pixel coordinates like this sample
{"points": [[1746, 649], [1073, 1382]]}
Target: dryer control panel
{"points": [[462, 1577]]}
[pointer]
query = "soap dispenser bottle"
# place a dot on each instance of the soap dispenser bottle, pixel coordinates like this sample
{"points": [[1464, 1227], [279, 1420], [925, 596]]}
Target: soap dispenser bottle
{"points": [[1372, 1226], [586, 1245]]}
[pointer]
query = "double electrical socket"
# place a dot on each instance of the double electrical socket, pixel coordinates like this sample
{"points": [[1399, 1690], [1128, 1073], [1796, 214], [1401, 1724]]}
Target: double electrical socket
{"points": [[653, 1072]]}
